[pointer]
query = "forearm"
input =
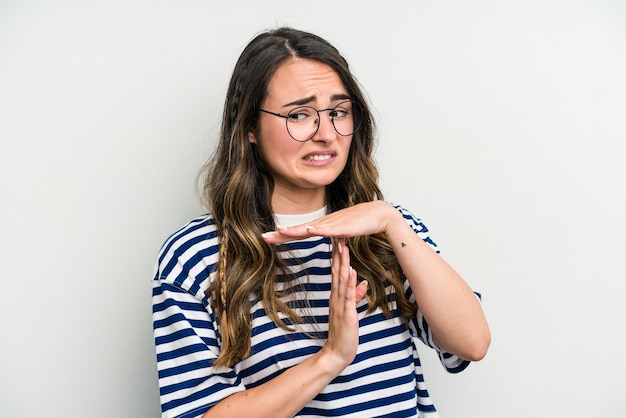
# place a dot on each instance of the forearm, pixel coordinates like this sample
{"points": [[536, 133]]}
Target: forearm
{"points": [[284, 395], [449, 305]]}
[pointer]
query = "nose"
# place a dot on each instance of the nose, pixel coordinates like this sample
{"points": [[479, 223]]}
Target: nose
{"points": [[326, 131]]}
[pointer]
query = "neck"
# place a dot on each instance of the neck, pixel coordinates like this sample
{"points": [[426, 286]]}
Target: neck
{"points": [[289, 203]]}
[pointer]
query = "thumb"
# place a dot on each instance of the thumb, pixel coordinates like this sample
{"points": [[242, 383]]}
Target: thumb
{"points": [[361, 291]]}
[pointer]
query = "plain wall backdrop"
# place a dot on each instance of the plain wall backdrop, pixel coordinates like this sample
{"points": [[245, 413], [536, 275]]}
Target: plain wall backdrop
{"points": [[501, 124]]}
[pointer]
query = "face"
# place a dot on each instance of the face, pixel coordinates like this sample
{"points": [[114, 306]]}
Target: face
{"points": [[301, 170]]}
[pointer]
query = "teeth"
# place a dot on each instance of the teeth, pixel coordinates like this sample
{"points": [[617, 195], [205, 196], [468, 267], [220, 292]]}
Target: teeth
{"points": [[318, 157]]}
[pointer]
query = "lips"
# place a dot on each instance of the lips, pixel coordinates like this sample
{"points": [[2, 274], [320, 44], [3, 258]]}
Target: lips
{"points": [[319, 156]]}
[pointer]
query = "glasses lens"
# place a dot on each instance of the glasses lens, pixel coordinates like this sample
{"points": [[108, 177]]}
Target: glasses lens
{"points": [[347, 117], [302, 123]]}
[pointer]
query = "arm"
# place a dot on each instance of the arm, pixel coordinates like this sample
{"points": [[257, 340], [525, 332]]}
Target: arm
{"points": [[284, 395], [450, 306], [452, 310], [289, 392]]}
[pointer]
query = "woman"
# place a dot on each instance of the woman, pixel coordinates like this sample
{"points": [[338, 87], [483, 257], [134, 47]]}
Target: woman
{"points": [[300, 292]]}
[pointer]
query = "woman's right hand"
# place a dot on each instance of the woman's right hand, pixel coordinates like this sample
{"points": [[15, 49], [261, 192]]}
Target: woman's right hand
{"points": [[287, 393], [343, 320]]}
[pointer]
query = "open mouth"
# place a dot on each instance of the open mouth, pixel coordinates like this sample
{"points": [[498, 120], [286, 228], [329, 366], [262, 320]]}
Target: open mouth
{"points": [[317, 157]]}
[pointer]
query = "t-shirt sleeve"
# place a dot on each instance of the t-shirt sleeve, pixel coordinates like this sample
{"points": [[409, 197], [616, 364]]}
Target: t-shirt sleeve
{"points": [[186, 347], [419, 326], [186, 333]]}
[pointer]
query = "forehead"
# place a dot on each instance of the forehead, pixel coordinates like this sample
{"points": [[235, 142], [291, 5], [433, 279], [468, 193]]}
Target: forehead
{"points": [[301, 78]]}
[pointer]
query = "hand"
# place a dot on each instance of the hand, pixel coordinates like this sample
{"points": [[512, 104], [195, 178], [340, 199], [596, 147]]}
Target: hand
{"points": [[358, 220], [343, 321]]}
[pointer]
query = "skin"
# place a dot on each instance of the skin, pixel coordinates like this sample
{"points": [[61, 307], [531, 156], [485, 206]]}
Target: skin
{"points": [[300, 182], [448, 303]]}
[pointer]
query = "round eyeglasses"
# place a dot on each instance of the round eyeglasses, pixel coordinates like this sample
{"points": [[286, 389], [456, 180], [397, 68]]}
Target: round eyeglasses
{"points": [[303, 122]]}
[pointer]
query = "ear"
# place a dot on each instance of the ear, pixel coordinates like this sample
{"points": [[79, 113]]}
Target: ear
{"points": [[251, 137]]}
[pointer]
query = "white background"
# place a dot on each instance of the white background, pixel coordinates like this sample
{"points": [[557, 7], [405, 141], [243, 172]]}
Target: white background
{"points": [[501, 124]]}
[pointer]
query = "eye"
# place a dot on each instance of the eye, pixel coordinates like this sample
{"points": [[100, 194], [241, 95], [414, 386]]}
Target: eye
{"points": [[342, 110], [339, 113], [301, 114]]}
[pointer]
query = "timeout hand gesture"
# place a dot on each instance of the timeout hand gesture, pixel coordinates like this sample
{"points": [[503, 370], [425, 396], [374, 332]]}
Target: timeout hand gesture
{"points": [[362, 219]]}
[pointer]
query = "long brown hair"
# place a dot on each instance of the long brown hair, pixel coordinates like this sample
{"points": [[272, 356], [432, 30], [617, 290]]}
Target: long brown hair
{"points": [[237, 189]]}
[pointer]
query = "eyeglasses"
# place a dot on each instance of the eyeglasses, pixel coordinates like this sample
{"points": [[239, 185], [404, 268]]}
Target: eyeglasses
{"points": [[303, 122]]}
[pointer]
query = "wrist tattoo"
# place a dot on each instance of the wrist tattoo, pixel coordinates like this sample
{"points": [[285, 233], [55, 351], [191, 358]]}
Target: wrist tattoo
{"points": [[403, 244]]}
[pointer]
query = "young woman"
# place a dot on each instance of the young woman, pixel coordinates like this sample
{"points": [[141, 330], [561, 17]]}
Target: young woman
{"points": [[302, 290]]}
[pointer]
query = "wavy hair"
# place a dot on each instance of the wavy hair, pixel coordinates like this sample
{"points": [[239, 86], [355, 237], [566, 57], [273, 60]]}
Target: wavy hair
{"points": [[237, 189]]}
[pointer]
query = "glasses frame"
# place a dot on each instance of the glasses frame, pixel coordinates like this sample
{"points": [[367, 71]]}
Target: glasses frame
{"points": [[332, 118]]}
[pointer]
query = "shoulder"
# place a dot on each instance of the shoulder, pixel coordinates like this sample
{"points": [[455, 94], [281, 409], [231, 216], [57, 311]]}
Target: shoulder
{"points": [[416, 224], [189, 255]]}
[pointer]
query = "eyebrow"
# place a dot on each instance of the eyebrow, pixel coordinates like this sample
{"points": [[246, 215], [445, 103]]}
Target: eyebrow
{"points": [[308, 100]]}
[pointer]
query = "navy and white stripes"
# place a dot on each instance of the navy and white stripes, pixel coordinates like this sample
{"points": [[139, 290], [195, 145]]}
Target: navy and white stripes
{"points": [[385, 378]]}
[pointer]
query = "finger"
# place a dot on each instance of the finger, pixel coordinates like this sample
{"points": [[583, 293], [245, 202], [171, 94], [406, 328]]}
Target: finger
{"points": [[361, 290], [335, 267], [328, 231], [294, 231], [275, 237], [343, 268], [284, 234], [319, 231], [350, 293], [279, 237]]}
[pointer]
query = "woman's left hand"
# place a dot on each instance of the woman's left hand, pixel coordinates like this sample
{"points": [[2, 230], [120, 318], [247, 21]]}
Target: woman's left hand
{"points": [[358, 220], [452, 310]]}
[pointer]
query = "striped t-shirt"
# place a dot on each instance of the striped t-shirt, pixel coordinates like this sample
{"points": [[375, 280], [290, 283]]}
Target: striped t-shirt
{"points": [[384, 380]]}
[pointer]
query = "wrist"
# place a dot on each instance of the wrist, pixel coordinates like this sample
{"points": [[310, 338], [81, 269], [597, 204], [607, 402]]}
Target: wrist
{"points": [[328, 363], [394, 220]]}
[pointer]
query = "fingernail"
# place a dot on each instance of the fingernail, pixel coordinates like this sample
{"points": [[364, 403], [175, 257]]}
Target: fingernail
{"points": [[339, 248], [268, 234]]}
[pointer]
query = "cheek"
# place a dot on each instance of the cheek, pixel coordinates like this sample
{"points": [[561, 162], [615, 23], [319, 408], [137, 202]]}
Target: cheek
{"points": [[277, 150]]}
